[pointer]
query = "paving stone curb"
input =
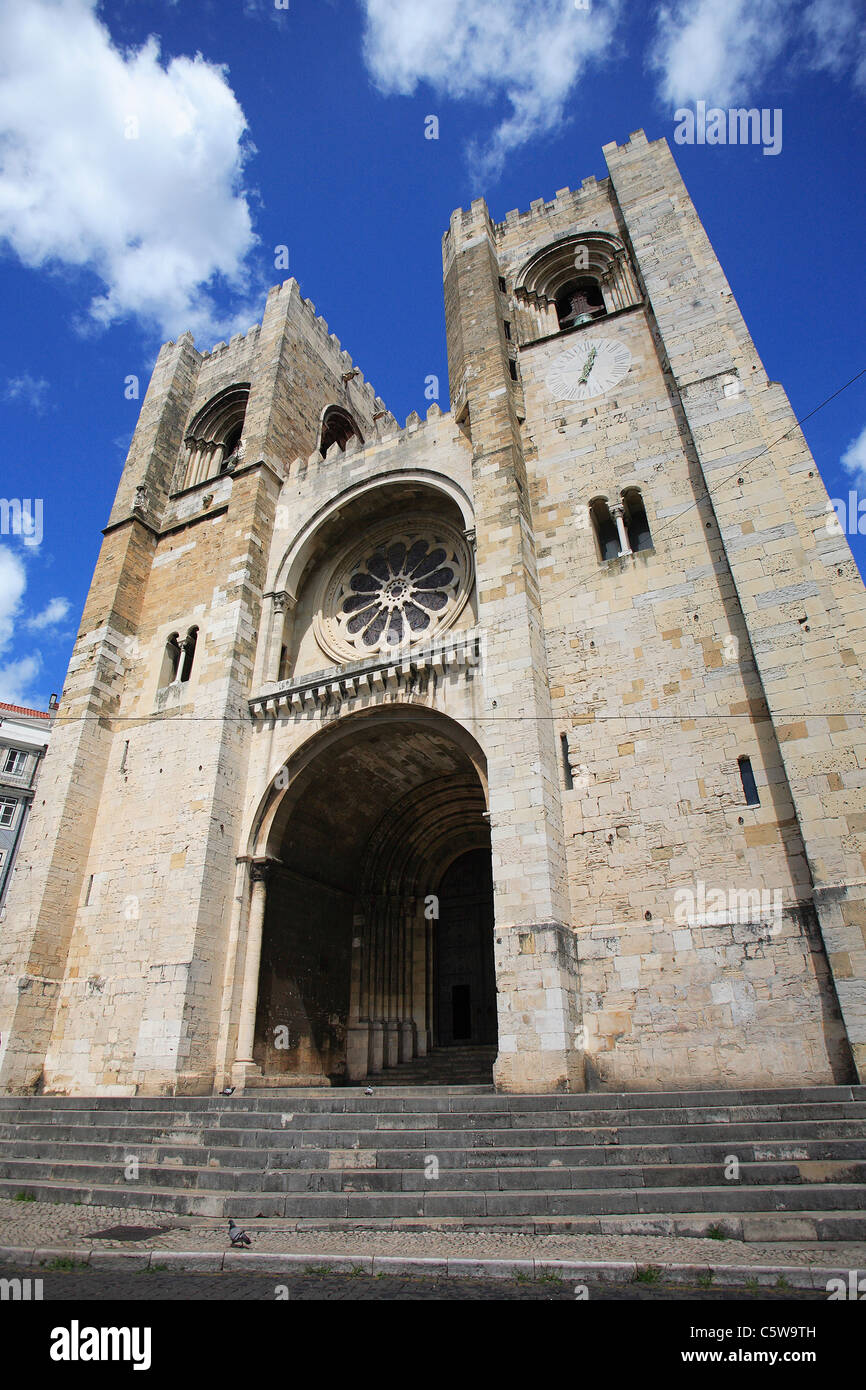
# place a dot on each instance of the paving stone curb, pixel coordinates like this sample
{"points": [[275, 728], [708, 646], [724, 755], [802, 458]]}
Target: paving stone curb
{"points": [[601, 1271]]}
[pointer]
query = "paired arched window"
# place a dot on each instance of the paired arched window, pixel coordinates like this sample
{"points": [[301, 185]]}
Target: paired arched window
{"points": [[178, 657], [213, 440], [622, 529], [338, 428]]}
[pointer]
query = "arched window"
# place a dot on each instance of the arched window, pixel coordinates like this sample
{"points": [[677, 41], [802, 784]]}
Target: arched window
{"points": [[213, 440], [338, 427], [170, 661], [578, 278], [604, 527], [579, 301], [636, 523]]}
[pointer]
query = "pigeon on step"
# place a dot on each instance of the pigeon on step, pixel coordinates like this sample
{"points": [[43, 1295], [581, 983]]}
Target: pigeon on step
{"points": [[368, 1091], [238, 1237], [227, 1091]]}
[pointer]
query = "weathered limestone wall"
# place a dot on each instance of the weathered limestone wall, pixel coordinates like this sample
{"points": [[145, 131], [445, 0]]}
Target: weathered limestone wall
{"points": [[655, 686], [804, 610]]}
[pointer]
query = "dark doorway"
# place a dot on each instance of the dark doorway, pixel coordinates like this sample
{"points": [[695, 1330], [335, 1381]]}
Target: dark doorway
{"points": [[347, 980], [461, 1012], [464, 974]]}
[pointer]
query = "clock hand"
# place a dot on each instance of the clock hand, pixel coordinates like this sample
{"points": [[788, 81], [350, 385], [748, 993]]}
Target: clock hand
{"points": [[587, 367]]}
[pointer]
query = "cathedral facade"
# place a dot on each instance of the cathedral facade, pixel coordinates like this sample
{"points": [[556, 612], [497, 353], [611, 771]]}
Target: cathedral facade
{"points": [[534, 727]]}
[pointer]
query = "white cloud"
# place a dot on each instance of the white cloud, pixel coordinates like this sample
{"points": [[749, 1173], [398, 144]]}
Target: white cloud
{"points": [[16, 677], [715, 52], [836, 38], [115, 162], [53, 613], [32, 390], [532, 55], [722, 52], [854, 458], [16, 681]]}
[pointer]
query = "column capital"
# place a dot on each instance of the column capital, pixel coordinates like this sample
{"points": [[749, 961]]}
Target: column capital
{"points": [[262, 869], [282, 600]]}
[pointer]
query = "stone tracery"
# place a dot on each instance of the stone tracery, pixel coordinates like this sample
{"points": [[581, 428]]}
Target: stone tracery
{"points": [[400, 585]]}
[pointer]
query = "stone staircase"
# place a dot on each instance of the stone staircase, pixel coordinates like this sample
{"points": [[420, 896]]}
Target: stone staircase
{"points": [[469, 1065], [629, 1162]]}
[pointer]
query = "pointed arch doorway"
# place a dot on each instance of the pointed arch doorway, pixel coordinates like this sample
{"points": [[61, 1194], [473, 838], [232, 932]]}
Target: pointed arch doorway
{"points": [[377, 943]]}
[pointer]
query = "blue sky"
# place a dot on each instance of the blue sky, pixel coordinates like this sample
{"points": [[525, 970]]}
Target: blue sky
{"points": [[144, 189]]}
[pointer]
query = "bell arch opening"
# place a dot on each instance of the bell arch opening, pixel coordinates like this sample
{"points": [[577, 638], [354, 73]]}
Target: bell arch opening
{"points": [[377, 942]]}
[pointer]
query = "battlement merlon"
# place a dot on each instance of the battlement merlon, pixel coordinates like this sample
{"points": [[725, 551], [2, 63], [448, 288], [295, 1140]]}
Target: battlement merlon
{"points": [[283, 413], [566, 201]]}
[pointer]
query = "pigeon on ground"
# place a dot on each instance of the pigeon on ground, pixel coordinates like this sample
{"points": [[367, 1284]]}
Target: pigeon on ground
{"points": [[227, 1091], [237, 1236]]}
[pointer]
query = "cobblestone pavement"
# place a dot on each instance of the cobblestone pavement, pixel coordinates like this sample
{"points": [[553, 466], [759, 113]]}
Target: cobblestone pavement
{"points": [[38, 1225], [146, 1286]]}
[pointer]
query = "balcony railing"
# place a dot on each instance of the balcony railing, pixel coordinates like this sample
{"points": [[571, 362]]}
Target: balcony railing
{"points": [[399, 668], [16, 779]]}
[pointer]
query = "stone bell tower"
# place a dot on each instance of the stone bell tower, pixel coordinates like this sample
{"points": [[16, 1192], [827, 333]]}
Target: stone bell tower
{"points": [[684, 629], [113, 951]]}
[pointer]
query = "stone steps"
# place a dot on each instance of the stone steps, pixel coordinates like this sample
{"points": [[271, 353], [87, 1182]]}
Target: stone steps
{"points": [[365, 1206], [276, 1178], [248, 1130], [85, 1149], [457, 1065], [340, 1156], [415, 1100]]}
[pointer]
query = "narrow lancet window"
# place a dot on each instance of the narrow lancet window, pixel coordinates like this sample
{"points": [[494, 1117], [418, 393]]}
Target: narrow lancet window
{"points": [[747, 777]]}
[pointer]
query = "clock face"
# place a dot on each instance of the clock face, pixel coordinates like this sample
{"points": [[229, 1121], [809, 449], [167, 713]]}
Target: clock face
{"points": [[588, 369]]}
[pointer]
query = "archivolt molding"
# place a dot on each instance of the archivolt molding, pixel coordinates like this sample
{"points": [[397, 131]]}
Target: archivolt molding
{"points": [[278, 801], [599, 255], [421, 834], [290, 568]]}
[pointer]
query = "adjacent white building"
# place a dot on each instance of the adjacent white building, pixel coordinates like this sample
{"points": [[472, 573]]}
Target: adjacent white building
{"points": [[24, 737]]}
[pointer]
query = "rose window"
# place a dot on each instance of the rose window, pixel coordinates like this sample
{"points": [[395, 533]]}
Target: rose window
{"points": [[395, 589]]}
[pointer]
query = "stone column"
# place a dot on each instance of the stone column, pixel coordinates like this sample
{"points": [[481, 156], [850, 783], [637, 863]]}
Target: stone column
{"points": [[429, 946], [201, 458], [230, 983], [418, 977], [407, 1022], [392, 986], [358, 1030], [618, 515], [377, 1041], [186, 644], [282, 605], [191, 450], [260, 871]]}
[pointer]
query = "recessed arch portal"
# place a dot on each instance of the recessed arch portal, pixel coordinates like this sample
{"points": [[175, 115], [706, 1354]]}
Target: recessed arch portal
{"points": [[362, 500], [374, 818]]}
